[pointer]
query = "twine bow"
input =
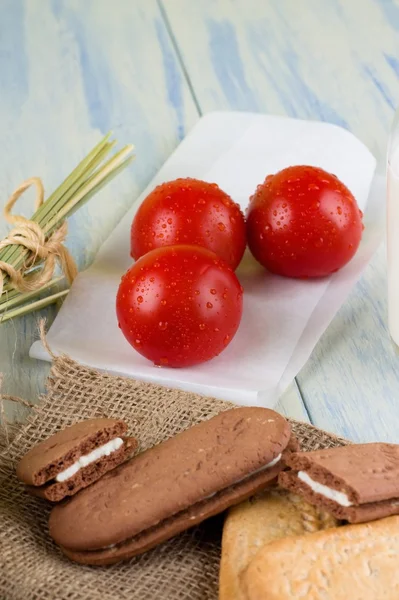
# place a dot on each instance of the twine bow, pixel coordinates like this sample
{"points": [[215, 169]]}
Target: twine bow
{"points": [[32, 237]]}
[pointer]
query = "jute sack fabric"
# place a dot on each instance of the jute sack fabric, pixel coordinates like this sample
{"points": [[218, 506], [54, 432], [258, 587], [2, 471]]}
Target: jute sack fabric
{"points": [[31, 565]]}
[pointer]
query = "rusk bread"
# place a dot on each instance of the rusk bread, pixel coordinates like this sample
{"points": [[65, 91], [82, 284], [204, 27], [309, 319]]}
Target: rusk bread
{"points": [[353, 562], [269, 516]]}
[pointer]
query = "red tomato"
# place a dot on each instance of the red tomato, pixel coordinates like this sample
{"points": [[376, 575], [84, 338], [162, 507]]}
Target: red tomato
{"points": [[303, 222], [179, 305], [189, 211]]}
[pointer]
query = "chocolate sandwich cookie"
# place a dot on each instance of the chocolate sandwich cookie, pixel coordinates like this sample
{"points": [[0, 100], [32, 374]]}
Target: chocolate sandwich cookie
{"points": [[355, 483], [173, 486], [74, 458]]}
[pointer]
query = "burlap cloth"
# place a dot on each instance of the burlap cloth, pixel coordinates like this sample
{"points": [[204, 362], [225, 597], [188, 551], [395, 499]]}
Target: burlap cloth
{"points": [[32, 567]]}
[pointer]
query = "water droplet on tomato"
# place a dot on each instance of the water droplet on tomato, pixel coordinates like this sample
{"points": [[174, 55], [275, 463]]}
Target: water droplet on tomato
{"points": [[275, 213], [156, 265], [169, 221], [163, 302], [224, 296], [313, 186], [226, 339], [200, 201], [209, 305], [216, 329], [137, 342], [213, 291], [267, 227], [163, 360], [130, 309], [119, 325], [202, 326], [163, 325], [221, 226], [197, 292], [140, 299], [339, 210]]}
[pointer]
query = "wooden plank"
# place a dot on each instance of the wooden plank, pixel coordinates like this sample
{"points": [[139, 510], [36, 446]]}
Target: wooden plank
{"points": [[69, 72], [327, 60], [291, 404], [351, 379]]}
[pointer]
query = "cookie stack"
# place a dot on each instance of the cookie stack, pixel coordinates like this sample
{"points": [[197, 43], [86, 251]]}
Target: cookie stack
{"points": [[158, 493], [313, 525]]}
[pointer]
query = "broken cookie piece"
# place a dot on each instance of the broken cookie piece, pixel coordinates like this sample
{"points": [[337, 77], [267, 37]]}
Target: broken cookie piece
{"points": [[74, 458], [355, 483]]}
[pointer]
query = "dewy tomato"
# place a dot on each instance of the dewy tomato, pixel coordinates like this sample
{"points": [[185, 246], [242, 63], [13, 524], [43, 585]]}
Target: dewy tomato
{"points": [[303, 222], [179, 305], [189, 211]]}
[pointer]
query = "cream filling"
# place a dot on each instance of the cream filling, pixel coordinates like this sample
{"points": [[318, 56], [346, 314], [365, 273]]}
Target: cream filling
{"points": [[339, 497], [85, 460], [272, 462]]}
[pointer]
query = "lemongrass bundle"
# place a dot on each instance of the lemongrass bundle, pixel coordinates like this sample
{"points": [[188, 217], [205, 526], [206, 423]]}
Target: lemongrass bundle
{"points": [[31, 251]]}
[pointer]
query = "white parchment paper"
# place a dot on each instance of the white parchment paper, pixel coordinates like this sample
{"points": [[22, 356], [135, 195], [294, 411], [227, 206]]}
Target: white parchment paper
{"points": [[283, 318]]}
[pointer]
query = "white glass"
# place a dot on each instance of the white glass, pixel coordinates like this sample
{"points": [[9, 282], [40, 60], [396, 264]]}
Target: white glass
{"points": [[393, 230]]}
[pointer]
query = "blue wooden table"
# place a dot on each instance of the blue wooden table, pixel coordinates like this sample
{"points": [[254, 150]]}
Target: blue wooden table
{"points": [[72, 70]]}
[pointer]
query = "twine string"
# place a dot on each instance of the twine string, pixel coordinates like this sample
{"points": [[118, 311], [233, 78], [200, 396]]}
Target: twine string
{"points": [[4, 423], [31, 236]]}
